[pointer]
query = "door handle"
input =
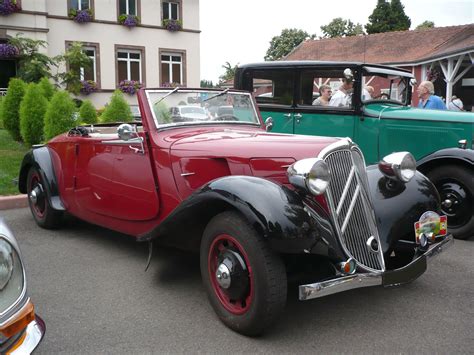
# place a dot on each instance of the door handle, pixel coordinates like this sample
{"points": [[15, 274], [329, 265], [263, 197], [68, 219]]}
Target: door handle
{"points": [[287, 115], [298, 117]]}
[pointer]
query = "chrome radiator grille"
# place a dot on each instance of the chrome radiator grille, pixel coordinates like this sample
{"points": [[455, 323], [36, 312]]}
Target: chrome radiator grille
{"points": [[352, 210]]}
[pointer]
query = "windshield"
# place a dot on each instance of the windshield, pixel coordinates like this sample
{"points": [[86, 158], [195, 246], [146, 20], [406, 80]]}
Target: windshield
{"points": [[385, 87], [195, 107]]}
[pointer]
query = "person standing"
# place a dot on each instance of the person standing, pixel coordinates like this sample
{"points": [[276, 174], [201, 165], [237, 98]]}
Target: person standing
{"points": [[343, 96], [427, 97], [455, 104]]}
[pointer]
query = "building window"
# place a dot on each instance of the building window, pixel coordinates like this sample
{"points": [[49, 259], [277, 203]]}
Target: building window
{"points": [[129, 65], [90, 73], [170, 10], [172, 68], [79, 4], [128, 7]]}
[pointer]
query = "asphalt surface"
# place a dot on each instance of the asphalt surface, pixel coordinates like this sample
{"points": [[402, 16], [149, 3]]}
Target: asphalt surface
{"points": [[89, 286]]}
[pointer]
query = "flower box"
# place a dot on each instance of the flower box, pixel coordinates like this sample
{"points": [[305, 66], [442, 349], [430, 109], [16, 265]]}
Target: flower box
{"points": [[130, 86], [129, 20], [7, 7], [8, 51], [81, 16], [172, 25], [88, 87]]}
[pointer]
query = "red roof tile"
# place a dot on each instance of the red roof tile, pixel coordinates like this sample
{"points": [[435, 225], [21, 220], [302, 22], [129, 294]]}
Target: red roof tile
{"points": [[389, 47]]}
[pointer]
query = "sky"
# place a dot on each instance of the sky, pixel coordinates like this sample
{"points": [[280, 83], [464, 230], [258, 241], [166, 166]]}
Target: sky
{"points": [[240, 31]]}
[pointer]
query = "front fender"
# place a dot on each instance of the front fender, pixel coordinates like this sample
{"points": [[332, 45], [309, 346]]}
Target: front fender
{"points": [[398, 206], [40, 158], [465, 156], [278, 213]]}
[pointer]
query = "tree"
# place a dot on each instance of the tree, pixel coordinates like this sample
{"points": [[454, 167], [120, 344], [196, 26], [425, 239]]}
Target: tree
{"points": [[59, 116], [47, 88], [117, 110], [229, 72], [425, 24], [283, 44], [75, 59], [32, 65], [339, 27], [207, 83], [32, 110], [87, 112], [388, 17], [399, 20], [10, 112]]}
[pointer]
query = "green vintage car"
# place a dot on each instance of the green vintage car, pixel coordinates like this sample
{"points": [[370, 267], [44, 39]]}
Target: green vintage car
{"points": [[374, 111]]}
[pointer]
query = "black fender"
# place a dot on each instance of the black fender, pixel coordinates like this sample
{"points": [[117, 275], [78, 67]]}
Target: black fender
{"points": [[444, 156], [279, 214], [398, 206], [40, 157]]}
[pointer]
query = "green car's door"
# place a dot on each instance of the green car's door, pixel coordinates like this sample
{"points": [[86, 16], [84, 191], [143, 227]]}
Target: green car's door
{"points": [[320, 120]]}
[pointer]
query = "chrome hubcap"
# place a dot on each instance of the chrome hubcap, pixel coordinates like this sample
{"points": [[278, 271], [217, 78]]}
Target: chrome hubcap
{"points": [[34, 194], [447, 203], [223, 276]]}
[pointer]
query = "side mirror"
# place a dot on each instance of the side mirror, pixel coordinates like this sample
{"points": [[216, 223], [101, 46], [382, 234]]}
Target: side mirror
{"points": [[413, 82], [348, 74], [269, 124], [126, 132]]}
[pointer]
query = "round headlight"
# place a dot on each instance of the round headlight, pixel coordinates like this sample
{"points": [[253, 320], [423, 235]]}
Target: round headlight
{"points": [[400, 166], [6, 263], [310, 175]]}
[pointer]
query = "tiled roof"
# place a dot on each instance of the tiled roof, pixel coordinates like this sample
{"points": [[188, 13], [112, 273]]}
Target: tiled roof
{"points": [[389, 47]]}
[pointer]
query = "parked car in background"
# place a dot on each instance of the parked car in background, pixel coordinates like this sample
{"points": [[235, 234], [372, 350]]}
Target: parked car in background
{"points": [[21, 330], [380, 122], [256, 205]]}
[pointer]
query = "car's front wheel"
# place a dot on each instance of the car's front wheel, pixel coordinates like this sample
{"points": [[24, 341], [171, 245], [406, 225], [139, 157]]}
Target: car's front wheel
{"points": [[44, 215], [455, 185], [245, 281]]}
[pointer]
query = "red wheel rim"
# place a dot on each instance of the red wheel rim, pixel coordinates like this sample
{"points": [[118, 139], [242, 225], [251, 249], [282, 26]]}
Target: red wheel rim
{"points": [[220, 244], [38, 207]]}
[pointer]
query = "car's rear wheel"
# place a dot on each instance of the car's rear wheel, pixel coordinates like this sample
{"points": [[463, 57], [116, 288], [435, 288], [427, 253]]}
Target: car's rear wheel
{"points": [[455, 185], [44, 215], [245, 281]]}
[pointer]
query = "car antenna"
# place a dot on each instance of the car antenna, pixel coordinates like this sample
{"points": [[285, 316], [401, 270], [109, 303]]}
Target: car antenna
{"points": [[216, 95], [168, 94]]}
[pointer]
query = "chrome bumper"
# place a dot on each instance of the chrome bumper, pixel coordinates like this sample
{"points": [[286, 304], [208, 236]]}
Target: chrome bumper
{"points": [[389, 278], [34, 332]]}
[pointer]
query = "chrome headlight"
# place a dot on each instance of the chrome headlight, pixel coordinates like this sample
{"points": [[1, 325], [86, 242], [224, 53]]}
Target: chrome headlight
{"points": [[11, 275], [310, 175], [399, 166]]}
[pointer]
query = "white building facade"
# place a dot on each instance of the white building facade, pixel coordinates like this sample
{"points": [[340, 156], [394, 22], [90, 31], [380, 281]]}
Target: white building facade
{"points": [[148, 52]]}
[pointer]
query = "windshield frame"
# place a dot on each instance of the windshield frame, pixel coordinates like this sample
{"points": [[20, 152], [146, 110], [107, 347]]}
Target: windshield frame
{"points": [[159, 126]]}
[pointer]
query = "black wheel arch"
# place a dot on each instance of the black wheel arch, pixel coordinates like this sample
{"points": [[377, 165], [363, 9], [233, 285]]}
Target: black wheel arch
{"points": [[276, 212], [40, 158], [456, 156]]}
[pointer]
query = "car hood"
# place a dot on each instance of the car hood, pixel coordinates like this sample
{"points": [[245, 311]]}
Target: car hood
{"points": [[403, 112], [236, 143]]}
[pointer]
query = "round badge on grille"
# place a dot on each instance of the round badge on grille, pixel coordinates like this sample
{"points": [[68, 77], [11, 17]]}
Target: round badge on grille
{"points": [[372, 244]]}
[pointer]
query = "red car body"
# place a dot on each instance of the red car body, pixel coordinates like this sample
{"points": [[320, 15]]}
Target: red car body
{"points": [[246, 198]]}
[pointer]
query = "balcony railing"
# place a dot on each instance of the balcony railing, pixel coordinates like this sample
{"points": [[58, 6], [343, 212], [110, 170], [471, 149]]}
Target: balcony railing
{"points": [[3, 91]]}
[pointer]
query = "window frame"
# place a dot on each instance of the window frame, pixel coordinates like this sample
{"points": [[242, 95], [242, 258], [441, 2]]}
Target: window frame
{"points": [[137, 6], [130, 49], [96, 65], [91, 6], [180, 9], [171, 52]]}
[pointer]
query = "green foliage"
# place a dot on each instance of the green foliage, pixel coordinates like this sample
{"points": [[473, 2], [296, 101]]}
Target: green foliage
{"points": [[1, 103], [229, 72], [32, 65], [425, 24], [118, 109], [207, 83], [339, 27], [10, 111], [87, 112], [75, 59], [59, 116], [11, 156], [162, 113], [283, 44], [47, 88], [32, 109], [388, 17]]}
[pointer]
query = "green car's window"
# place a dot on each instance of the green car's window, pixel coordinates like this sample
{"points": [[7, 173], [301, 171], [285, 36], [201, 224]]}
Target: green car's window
{"points": [[385, 87], [325, 89], [273, 87]]}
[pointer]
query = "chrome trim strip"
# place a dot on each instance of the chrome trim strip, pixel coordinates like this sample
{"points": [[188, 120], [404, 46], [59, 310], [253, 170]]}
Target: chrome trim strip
{"points": [[14, 314], [351, 209], [187, 174], [350, 282], [34, 333], [346, 189]]}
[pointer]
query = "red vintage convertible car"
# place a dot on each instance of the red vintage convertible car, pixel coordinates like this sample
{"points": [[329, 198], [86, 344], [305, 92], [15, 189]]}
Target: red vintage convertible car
{"points": [[258, 206]]}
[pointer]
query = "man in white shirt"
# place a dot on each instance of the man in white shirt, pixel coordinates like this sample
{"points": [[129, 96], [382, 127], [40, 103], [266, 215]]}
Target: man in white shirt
{"points": [[455, 104], [343, 96]]}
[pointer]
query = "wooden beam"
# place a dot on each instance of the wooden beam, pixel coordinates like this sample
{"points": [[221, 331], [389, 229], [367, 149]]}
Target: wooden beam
{"points": [[462, 73]]}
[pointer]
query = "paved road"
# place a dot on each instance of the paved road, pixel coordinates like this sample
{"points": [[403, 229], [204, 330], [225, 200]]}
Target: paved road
{"points": [[89, 285]]}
